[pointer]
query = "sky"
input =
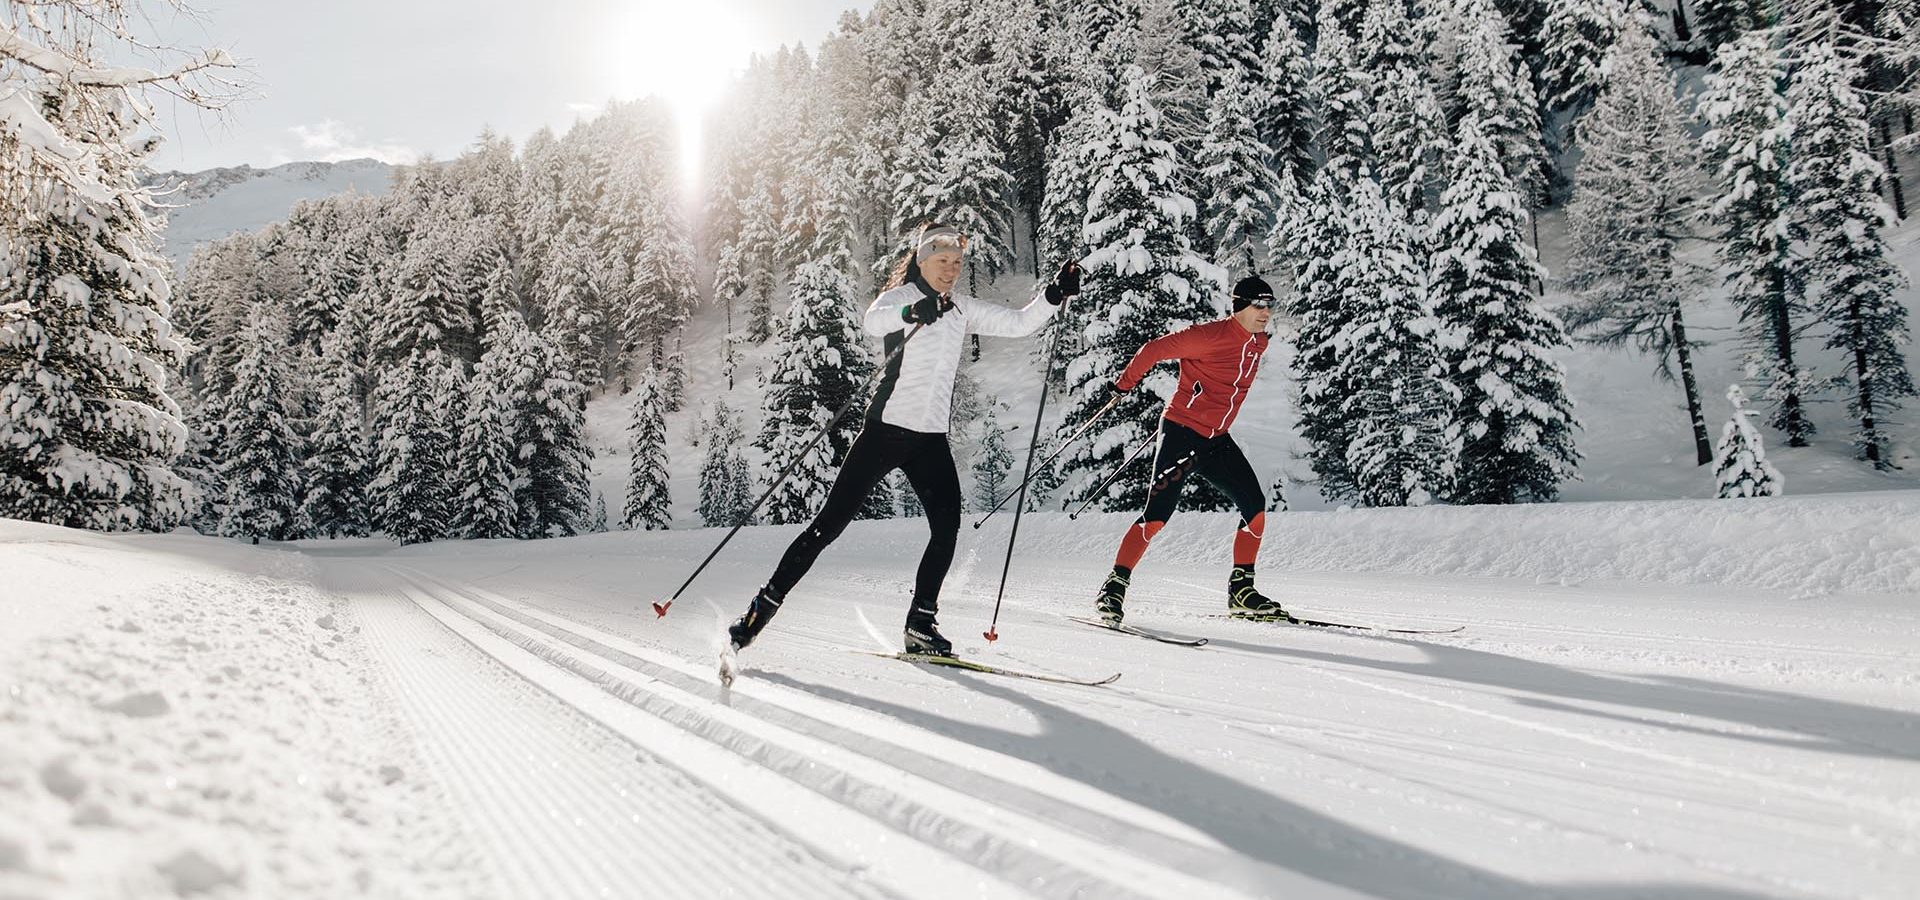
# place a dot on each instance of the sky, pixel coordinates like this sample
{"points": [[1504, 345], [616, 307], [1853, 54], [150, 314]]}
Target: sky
{"points": [[398, 80]]}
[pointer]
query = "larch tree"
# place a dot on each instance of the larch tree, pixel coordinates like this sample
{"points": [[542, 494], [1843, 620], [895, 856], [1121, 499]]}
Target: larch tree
{"points": [[1632, 207]]}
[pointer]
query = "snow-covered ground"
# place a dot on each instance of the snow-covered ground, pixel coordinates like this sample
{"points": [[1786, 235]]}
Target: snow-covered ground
{"points": [[1650, 699], [206, 206]]}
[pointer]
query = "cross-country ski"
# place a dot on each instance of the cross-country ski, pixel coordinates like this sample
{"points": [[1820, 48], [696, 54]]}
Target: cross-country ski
{"points": [[522, 450]]}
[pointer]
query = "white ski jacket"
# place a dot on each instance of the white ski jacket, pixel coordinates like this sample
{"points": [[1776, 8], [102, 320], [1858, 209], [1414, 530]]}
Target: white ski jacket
{"points": [[916, 392]]}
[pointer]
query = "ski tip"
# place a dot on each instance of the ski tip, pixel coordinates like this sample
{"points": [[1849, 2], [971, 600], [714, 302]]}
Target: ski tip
{"points": [[660, 609]]}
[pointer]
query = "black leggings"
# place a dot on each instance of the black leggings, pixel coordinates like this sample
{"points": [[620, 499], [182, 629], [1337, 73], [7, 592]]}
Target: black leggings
{"points": [[880, 449], [1184, 452]]}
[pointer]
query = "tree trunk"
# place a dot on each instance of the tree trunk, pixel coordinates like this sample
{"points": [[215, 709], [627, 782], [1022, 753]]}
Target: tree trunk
{"points": [[1869, 433], [1792, 418], [1702, 448]]}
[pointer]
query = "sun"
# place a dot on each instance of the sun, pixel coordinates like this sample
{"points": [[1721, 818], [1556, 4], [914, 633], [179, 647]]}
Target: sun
{"points": [[685, 53]]}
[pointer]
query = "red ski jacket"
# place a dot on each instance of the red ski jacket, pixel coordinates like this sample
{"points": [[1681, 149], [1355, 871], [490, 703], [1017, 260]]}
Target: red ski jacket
{"points": [[1217, 363]]}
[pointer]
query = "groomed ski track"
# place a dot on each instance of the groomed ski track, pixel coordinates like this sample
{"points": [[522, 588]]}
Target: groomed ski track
{"points": [[1574, 741]]}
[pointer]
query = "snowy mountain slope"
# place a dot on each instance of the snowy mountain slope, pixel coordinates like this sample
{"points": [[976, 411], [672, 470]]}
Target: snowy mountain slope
{"points": [[213, 204], [1676, 699]]}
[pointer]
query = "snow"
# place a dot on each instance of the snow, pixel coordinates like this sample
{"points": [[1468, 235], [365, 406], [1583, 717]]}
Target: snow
{"points": [[217, 203], [1650, 698]]}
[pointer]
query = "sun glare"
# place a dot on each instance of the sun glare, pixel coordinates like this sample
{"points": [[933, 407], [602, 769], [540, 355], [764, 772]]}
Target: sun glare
{"points": [[685, 54]]}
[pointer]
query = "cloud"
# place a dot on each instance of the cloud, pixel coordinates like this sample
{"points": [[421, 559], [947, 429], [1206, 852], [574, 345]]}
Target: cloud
{"points": [[333, 141], [584, 109]]}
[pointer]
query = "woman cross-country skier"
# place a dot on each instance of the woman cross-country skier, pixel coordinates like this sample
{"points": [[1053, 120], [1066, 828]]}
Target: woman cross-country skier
{"points": [[1218, 361], [906, 423]]}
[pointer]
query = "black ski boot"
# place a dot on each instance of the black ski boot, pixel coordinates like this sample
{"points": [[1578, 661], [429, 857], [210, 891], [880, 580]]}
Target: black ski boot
{"points": [[923, 634], [747, 627], [1245, 602], [1110, 604]]}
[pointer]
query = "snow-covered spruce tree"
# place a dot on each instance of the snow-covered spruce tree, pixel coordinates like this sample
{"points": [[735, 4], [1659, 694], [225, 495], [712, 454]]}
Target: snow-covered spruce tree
{"points": [[1409, 137], [1514, 416], [1719, 22], [1236, 169], [971, 182], [426, 310], [1286, 122], [1340, 97], [1143, 279], [88, 432], [753, 275], [1228, 35], [1315, 232], [673, 378], [992, 464], [1833, 177], [597, 523], [1577, 36], [1749, 145], [554, 458], [1386, 371], [649, 504], [335, 472], [260, 462], [1740, 467], [1632, 205], [408, 490], [724, 485], [486, 507], [817, 364], [572, 298], [1495, 87]]}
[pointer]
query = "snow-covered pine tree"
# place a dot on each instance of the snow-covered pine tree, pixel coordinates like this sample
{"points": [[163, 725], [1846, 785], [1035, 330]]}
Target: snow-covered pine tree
{"points": [[649, 504], [1718, 22], [1495, 87], [673, 377], [1385, 372], [1340, 96], [1514, 416], [486, 507], [1409, 137], [971, 187], [597, 523], [1834, 178], [335, 472], [426, 310], [724, 485], [1287, 120], [1144, 278], [571, 297], [408, 492], [1740, 467], [88, 432], [1236, 170], [1632, 205], [260, 462], [817, 365], [1750, 147], [1577, 35], [992, 464], [1228, 38], [1314, 231], [753, 261], [554, 457]]}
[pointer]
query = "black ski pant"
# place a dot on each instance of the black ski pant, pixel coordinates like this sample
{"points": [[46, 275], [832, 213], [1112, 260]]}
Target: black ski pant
{"points": [[927, 461], [1184, 452]]}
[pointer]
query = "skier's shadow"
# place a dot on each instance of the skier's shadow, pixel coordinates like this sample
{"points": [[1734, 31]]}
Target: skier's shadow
{"points": [[1251, 822], [1831, 726]]}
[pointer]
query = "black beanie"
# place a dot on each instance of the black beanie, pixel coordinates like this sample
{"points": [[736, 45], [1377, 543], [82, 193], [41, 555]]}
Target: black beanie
{"points": [[1249, 289]]}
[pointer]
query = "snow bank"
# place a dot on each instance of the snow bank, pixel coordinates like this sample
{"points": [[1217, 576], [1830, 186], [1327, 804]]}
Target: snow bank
{"points": [[1803, 546], [181, 716]]}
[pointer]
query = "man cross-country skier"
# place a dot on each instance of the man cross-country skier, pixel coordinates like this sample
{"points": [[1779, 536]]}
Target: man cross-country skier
{"points": [[906, 423], [1218, 361]]}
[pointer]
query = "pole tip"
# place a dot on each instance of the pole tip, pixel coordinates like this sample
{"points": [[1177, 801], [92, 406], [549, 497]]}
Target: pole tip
{"points": [[991, 635], [660, 609]]}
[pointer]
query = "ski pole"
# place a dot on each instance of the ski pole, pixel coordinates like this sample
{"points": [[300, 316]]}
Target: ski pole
{"points": [[1095, 495], [1027, 476], [993, 628], [660, 609]]}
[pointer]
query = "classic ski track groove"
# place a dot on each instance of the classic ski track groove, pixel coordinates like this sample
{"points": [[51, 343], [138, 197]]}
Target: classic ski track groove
{"points": [[564, 812], [1086, 852]]}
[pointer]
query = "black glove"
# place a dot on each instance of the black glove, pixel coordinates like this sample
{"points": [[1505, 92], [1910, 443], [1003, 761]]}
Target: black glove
{"points": [[927, 310], [1118, 389], [1066, 284]]}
